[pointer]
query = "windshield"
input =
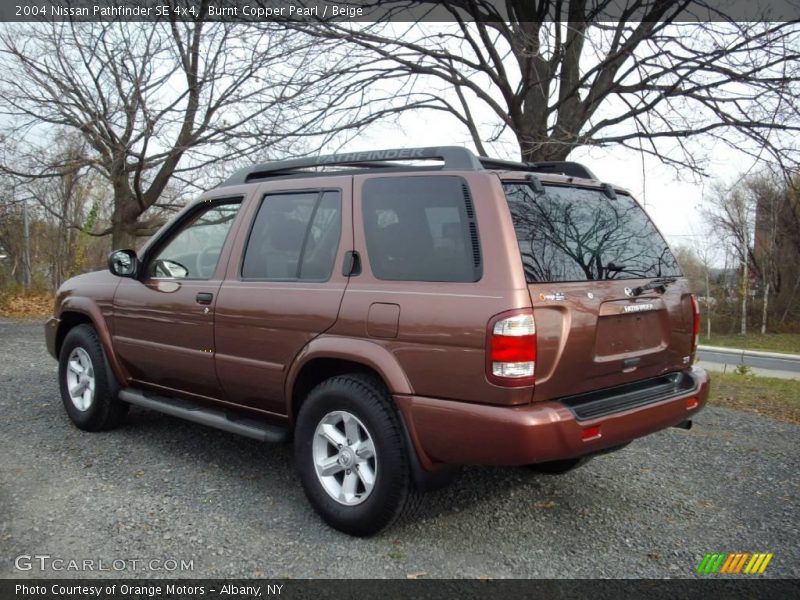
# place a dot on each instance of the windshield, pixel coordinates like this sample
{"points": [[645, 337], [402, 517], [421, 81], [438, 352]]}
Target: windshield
{"points": [[578, 234]]}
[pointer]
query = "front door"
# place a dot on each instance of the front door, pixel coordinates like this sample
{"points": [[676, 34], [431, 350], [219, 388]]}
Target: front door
{"points": [[164, 321]]}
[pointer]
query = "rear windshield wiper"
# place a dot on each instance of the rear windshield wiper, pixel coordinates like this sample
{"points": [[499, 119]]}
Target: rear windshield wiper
{"points": [[659, 284]]}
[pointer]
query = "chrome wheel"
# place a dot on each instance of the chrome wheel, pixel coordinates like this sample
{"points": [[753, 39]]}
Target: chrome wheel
{"points": [[80, 379], [344, 458]]}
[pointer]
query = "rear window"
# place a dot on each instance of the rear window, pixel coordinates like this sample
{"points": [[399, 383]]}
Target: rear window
{"points": [[574, 234], [421, 229]]}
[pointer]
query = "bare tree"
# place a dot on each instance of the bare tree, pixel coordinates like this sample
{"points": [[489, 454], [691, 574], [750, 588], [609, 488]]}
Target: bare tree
{"points": [[691, 267], [557, 77], [732, 217], [163, 103], [755, 220], [769, 195], [707, 253]]}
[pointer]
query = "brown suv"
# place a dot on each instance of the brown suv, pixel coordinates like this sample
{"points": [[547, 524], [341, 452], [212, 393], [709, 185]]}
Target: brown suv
{"points": [[398, 312]]}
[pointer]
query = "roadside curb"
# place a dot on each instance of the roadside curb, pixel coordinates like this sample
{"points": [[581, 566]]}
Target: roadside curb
{"points": [[713, 367], [742, 352]]}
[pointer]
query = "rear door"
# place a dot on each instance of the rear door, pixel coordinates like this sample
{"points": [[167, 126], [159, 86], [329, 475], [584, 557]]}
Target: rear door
{"points": [[283, 287], [584, 255]]}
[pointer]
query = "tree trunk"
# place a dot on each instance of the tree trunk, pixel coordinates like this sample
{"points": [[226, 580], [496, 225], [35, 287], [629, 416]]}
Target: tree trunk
{"points": [[535, 146], [764, 310], [121, 237], [123, 224], [791, 299]]}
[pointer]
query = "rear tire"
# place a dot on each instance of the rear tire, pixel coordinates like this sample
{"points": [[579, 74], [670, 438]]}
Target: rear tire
{"points": [[88, 387], [351, 455]]}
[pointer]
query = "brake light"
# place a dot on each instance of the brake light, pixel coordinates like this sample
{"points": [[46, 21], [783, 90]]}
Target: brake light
{"points": [[511, 349], [695, 323]]}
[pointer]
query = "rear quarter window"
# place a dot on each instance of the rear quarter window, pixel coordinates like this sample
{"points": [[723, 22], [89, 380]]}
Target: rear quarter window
{"points": [[578, 234], [421, 229]]}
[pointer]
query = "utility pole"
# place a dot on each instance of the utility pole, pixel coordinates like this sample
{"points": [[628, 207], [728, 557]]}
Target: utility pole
{"points": [[26, 248], [745, 279], [708, 306]]}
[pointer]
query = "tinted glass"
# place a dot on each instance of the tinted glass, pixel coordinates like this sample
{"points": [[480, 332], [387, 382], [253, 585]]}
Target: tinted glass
{"points": [[193, 252], [294, 236], [421, 229], [573, 234]]}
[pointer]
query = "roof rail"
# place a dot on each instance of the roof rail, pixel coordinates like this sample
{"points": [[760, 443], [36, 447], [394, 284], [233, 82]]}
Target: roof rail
{"points": [[556, 167], [453, 157]]}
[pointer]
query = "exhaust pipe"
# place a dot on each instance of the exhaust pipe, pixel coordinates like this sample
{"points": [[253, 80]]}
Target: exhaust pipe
{"points": [[687, 424]]}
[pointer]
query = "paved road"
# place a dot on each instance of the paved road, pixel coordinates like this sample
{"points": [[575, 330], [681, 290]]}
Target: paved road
{"points": [[762, 365], [160, 488]]}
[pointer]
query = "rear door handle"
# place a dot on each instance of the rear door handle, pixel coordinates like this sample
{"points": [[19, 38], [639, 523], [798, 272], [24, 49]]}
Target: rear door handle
{"points": [[204, 297]]}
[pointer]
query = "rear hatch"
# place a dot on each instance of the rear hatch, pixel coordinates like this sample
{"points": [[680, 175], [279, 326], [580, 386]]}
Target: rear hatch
{"points": [[587, 255]]}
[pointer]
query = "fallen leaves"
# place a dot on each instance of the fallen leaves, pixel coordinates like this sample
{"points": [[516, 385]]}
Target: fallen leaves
{"points": [[26, 305]]}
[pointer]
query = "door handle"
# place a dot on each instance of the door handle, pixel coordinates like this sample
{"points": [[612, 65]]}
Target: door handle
{"points": [[204, 297]]}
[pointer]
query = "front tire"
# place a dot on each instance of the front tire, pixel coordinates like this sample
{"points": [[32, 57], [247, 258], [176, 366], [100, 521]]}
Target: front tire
{"points": [[351, 455], [88, 388]]}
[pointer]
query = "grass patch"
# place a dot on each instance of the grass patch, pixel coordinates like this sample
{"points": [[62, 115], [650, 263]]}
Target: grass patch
{"points": [[20, 306], [776, 398], [770, 342]]}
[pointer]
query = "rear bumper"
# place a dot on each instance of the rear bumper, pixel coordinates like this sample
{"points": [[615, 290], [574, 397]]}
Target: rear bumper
{"points": [[449, 432]]}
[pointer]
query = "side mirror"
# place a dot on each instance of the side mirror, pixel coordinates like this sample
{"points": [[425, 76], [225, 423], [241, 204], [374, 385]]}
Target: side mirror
{"points": [[123, 263]]}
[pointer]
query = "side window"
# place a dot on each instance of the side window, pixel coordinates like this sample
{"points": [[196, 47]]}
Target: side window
{"points": [[421, 229], [295, 236], [193, 251]]}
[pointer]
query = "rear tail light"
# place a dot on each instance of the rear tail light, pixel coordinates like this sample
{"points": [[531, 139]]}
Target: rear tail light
{"points": [[511, 349], [695, 323]]}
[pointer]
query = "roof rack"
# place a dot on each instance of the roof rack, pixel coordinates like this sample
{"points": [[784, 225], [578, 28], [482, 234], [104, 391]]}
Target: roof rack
{"points": [[452, 158]]}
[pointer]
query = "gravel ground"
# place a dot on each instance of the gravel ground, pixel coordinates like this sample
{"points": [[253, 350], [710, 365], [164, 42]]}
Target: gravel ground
{"points": [[160, 488]]}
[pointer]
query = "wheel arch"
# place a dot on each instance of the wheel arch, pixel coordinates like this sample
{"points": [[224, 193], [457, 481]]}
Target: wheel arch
{"points": [[69, 320], [78, 311], [327, 357]]}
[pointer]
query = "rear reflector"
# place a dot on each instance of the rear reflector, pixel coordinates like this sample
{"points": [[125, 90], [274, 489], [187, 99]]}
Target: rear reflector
{"points": [[511, 349], [590, 433], [691, 403]]}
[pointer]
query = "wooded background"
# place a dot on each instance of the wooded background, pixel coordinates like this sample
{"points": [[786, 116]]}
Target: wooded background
{"points": [[108, 128]]}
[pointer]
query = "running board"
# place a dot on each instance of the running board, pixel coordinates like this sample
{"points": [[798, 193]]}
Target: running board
{"points": [[183, 409]]}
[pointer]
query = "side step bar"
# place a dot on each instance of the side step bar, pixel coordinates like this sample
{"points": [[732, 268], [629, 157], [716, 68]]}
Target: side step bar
{"points": [[183, 409]]}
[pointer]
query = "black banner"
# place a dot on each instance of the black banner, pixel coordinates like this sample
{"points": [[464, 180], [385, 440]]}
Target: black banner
{"points": [[385, 10], [395, 589]]}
